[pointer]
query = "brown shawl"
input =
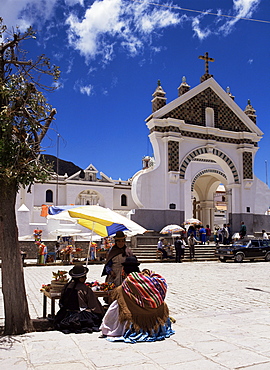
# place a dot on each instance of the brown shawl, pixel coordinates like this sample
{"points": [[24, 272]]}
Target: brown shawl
{"points": [[114, 251]]}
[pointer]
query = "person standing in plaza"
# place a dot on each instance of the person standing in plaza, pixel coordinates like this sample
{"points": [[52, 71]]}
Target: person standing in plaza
{"points": [[243, 230], [179, 246], [229, 233], [264, 235], [216, 236], [191, 230], [225, 234], [113, 268], [191, 244], [208, 234], [202, 232]]}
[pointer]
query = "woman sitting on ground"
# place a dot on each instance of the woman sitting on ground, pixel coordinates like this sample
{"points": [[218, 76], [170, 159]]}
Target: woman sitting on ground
{"points": [[80, 310], [138, 312]]}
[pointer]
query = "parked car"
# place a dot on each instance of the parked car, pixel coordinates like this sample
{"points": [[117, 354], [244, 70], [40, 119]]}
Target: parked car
{"points": [[245, 250]]}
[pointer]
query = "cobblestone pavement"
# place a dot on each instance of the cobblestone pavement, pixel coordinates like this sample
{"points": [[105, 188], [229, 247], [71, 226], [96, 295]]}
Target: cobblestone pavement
{"points": [[222, 322]]}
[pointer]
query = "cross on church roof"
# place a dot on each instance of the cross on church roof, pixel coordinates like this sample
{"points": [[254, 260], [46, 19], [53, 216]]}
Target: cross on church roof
{"points": [[207, 59]]}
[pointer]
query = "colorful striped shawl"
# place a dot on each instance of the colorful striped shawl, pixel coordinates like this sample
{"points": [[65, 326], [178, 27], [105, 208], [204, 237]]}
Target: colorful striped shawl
{"points": [[148, 291]]}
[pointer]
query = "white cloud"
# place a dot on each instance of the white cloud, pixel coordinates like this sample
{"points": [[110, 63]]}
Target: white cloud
{"points": [[250, 61], [241, 9], [109, 23], [198, 31], [84, 89], [74, 2], [24, 13], [105, 26]]}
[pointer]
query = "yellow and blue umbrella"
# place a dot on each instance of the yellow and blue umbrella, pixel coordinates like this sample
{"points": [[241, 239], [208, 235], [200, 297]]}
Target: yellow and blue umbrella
{"points": [[103, 221]]}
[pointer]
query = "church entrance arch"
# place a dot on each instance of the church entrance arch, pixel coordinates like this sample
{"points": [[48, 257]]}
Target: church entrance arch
{"points": [[210, 206], [206, 169]]}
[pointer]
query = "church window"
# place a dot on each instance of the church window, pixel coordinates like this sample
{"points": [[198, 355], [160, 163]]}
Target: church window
{"points": [[123, 200], [49, 196], [209, 117]]}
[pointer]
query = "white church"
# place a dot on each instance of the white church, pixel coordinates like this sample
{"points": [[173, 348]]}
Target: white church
{"points": [[200, 140]]}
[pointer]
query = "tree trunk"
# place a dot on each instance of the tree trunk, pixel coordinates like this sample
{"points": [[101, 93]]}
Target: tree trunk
{"points": [[17, 319]]}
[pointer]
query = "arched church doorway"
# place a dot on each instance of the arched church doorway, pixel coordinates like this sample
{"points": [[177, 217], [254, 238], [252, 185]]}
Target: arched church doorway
{"points": [[210, 199], [211, 175]]}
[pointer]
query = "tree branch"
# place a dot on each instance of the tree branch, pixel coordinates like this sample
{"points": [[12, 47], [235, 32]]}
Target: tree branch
{"points": [[47, 124]]}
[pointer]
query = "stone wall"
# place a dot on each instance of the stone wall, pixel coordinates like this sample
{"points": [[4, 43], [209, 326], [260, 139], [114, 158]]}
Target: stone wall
{"points": [[156, 219], [254, 223]]}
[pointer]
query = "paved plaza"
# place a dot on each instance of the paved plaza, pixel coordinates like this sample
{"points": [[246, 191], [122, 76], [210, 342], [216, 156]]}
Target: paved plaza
{"points": [[222, 322]]}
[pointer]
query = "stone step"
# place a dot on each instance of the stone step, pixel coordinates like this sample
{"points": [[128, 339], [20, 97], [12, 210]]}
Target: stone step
{"points": [[153, 250], [149, 254], [146, 247]]}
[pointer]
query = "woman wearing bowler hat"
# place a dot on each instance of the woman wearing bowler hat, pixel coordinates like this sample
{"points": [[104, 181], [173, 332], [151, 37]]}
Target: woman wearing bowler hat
{"points": [[80, 310], [113, 268]]}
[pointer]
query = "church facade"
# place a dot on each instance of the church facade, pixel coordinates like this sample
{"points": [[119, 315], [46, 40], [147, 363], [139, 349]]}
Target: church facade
{"points": [[84, 187], [200, 140]]}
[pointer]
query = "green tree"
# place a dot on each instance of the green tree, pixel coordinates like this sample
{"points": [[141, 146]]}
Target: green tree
{"points": [[25, 117]]}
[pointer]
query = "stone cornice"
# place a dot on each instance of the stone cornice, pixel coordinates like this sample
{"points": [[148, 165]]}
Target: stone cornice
{"points": [[208, 134]]}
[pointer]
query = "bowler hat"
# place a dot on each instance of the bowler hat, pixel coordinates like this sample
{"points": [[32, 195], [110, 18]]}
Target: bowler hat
{"points": [[131, 261], [119, 235], [78, 271]]}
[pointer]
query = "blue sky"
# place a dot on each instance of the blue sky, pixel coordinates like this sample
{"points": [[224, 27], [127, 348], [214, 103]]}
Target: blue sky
{"points": [[111, 54]]}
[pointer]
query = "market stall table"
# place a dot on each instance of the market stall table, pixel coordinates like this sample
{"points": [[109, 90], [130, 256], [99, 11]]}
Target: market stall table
{"points": [[54, 296], [101, 255]]}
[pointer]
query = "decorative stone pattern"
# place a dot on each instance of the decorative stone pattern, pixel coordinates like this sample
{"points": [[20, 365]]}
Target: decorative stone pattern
{"points": [[193, 112], [202, 136], [173, 156], [204, 160], [158, 103], [204, 150], [247, 165], [159, 99], [188, 159], [229, 163], [203, 172]]}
